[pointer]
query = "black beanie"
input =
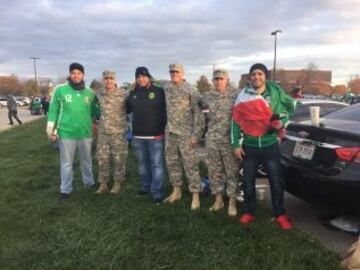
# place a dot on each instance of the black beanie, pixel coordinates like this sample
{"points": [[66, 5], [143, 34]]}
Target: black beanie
{"points": [[260, 66], [142, 71], [76, 66]]}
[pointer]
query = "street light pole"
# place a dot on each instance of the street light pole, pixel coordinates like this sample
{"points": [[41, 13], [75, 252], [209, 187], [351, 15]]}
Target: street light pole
{"points": [[274, 69], [35, 72]]}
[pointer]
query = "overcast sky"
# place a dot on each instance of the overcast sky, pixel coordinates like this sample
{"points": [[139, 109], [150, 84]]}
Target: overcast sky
{"points": [[230, 34]]}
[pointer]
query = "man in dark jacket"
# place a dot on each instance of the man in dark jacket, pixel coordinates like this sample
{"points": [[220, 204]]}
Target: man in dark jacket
{"points": [[11, 104], [147, 103]]}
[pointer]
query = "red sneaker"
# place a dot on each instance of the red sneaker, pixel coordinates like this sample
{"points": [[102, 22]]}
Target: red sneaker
{"points": [[284, 222], [247, 219]]}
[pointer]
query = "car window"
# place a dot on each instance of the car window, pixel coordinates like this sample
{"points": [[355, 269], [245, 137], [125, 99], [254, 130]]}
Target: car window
{"points": [[302, 113], [330, 107], [349, 113]]}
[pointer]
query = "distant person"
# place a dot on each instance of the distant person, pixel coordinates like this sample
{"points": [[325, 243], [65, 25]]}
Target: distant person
{"points": [[95, 85], [348, 98], [260, 113], [45, 102], [70, 119], [112, 142], [12, 107], [147, 103], [296, 93]]}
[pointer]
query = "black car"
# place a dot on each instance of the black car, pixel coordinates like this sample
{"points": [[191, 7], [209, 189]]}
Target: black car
{"points": [[322, 164]]}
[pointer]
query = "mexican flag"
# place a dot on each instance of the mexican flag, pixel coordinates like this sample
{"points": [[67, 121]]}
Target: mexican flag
{"points": [[252, 113]]}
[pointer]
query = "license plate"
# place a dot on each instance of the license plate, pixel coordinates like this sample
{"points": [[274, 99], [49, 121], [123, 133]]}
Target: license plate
{"points": [[304, 151]]}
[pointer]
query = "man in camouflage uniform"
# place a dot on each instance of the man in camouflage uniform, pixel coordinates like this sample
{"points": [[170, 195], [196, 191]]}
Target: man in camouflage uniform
{"points": [[222, 164], [112, 141], [185, 124]]}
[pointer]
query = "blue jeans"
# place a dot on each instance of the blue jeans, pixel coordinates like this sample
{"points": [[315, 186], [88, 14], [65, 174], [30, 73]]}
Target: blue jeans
{"points": [[67, 154], [270, 157], [150, 154]]}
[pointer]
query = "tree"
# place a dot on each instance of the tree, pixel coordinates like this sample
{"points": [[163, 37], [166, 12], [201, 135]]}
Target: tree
{"points": [[354, 84], [339, 89], [10, 85], [203, 84], [309, 75]]}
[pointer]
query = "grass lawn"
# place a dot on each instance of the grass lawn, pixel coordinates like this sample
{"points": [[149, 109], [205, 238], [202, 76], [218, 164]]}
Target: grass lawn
{"points": [[89, 231]]}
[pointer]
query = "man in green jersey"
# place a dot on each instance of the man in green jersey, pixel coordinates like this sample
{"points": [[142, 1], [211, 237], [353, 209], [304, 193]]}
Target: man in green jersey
{"points": [[70, 120]]}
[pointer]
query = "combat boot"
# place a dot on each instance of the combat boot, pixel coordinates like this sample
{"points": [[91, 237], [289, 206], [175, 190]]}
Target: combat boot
{"points": [[195, 203], [232, 210], [218, 204], [103, 188], [175, 195], [116, 188]]}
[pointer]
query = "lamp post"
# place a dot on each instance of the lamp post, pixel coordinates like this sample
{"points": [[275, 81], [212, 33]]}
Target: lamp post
{"points": [[35, 72], [274, 69]]}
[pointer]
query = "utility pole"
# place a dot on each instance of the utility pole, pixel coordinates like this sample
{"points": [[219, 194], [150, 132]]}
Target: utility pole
{"points": [[274, 69], [35, 72]]}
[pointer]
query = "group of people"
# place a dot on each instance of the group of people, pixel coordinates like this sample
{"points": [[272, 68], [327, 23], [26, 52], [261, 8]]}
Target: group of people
{"points": [[244, 127]]}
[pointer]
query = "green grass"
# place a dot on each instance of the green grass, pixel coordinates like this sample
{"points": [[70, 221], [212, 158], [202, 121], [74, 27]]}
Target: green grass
{"points": [[37, 231]]}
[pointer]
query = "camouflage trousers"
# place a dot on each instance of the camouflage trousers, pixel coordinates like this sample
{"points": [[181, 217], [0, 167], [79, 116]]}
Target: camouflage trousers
{"points": [[115, 148], [223, 168], [179, 154]]}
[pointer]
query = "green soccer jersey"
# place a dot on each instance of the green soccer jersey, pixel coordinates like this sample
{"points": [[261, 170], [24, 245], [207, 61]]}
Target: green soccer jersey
{"points": [[71, 112]]}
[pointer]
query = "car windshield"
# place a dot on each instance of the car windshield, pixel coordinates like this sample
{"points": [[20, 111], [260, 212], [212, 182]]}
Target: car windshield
{"points": [[350, 113]]}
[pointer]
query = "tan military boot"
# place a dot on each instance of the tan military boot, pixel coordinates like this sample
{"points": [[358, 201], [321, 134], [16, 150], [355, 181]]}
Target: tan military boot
{"points": [[116, 188], [103, 188], [218, 204], [175, 195], [232, 210], [195, 203]]}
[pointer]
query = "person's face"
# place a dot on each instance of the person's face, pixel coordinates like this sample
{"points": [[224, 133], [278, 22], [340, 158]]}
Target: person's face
{"points": [[176, 76], [142, 80], [109, 83], [220, 83], [257, 78], [76, 76]]}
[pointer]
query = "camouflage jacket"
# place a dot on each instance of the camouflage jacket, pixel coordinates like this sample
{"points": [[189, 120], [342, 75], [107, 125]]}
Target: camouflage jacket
{"points": [[184, 115], [113, 112], [220, 112]]}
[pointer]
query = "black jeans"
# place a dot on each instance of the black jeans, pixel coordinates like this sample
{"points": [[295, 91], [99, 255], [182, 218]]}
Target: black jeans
{"points": [[12, 114], [270, 157]]}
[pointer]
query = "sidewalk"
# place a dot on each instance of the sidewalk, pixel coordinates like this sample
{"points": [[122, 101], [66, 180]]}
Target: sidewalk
{"points": [[23, 114]]}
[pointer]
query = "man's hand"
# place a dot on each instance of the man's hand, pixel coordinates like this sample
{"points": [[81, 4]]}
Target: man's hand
{"points": [[49, 130], [276, 124], [193, 142], [53, 138], [239, 153]]}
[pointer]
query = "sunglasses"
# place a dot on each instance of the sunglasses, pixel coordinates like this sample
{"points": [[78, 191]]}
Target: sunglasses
{"points": [[174, 71]]}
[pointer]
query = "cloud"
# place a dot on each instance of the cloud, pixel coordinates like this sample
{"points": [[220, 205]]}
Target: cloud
{"points": [[127, 34]]}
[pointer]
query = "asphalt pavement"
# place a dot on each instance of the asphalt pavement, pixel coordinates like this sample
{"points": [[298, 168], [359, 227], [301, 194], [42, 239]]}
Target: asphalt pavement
{"points": [[23, 114]]}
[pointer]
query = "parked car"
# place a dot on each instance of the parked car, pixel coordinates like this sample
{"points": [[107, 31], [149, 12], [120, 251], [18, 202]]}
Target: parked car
{"points": [[302, 112], [24, 100], [3, 102], [322, 163]]}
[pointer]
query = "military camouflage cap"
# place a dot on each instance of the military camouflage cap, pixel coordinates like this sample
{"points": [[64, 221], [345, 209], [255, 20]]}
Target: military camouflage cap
{"points": [[220, 73], [109, 74], [176, 67]]}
